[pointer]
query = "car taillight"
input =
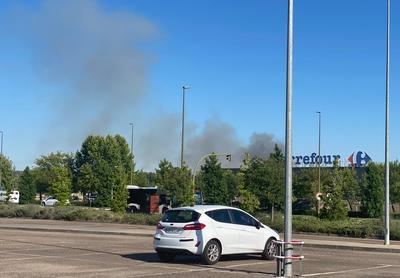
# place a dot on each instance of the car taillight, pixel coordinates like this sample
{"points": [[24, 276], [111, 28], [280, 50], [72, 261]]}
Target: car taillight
{"points": [[159, 226], [194, 227]]}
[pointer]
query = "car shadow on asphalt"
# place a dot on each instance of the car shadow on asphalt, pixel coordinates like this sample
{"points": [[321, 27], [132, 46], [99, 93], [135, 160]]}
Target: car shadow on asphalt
{"points": [[195, 261]]}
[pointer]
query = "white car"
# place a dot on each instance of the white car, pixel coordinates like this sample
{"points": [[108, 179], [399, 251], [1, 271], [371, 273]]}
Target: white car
{"points": [[212, 231], [49, 201]]}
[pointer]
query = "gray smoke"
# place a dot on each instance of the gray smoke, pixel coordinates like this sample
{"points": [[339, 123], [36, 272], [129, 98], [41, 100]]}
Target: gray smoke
{"points": [[97, 61], [97, 57], [163, 140], [221, 138], [159, 141], [217, 137], [262, 144]]}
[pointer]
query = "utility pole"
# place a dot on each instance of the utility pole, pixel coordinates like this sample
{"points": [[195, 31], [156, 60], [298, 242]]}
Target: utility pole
{"points": [[288, 143], [184, 88], [319, 162], [131, 124], [387, 188], [1, 165]]}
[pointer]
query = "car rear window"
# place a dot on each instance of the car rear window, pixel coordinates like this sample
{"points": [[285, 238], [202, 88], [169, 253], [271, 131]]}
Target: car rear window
{"points": [[221, 215], [180, 216]]}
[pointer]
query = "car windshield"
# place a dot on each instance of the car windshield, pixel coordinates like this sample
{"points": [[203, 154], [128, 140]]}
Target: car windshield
{"points": [[180, 216]]}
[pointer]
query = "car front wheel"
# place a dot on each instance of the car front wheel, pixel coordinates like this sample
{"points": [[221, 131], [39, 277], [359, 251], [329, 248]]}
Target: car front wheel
{"points": [[269, 250], [211, 253]]}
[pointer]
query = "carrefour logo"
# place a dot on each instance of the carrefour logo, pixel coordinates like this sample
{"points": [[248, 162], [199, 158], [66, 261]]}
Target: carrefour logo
{"points": [[356, 159], [359, 159]]}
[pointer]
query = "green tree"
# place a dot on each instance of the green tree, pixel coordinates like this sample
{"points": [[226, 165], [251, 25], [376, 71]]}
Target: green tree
{"points": [[394, 180], [7, 178], [372, 191], [176, 182], [304, 188], [215, 191], [351, 187], [120, 194], [27, 188], [61, 184], [141, 179], [277, 154], [247, 200], [97, 166], [231, 183], [265, 179], [333, 206], [51, 171]]}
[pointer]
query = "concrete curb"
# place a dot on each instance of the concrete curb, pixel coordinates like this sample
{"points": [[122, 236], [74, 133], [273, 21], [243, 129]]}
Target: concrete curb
{"points": [[332, 246], [353, 248], [55, 230]]}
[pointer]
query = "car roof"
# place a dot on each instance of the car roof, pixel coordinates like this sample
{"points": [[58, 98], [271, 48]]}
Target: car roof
{"points": [[205, 208]]}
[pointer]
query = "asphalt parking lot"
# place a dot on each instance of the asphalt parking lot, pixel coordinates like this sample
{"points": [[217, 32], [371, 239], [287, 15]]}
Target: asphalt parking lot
{"points": [[57, 254]]}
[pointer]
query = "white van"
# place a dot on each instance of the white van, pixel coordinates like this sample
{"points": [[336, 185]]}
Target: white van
{"points": [[14, 197]]}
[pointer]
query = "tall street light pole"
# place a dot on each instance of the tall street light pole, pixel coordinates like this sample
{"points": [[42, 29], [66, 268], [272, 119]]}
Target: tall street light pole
{"points": [[319, 162], [288, 143], [1, 152], [184, 88], [131, 124], [387, 189]]}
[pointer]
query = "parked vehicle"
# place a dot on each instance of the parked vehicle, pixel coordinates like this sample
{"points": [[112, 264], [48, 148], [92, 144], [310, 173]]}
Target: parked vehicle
{"points": [[13, 197], [212, 231], [51, 201], [146, 200]]}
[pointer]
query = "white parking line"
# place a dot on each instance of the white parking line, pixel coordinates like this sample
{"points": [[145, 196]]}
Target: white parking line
{"points": [[346, 271], [248, 264]]}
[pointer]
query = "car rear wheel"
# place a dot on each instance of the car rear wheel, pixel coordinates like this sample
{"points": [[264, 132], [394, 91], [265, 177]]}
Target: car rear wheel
{"points": [[269, 250], [166, 257], [211, 253]]}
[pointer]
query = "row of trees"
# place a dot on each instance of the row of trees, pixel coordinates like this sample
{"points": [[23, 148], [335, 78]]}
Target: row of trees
{"points": [[260, 184], [104, 164]]}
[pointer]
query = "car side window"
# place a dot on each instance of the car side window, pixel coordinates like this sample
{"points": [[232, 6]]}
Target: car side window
{"points": [[220, 215], [242, 218]]}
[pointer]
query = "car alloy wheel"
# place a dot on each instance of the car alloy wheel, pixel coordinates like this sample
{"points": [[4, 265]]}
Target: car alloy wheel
{"points": [[211, 253], [269, 250]]}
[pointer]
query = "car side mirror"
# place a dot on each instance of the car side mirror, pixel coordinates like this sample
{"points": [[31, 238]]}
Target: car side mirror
{"points": [[258, 225]]}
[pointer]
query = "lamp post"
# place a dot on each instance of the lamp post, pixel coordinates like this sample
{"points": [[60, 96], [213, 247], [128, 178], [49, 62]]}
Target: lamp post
{"points": [[131, 124], [319, 162], [387, 189], [1, 152], [184, 88], [288, 144]]}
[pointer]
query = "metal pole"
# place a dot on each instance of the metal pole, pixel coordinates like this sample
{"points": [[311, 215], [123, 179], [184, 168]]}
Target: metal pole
{"points": [[184, 88], [387, 189], [288, 143], [1, 165], [318, 161], [131, 124]]}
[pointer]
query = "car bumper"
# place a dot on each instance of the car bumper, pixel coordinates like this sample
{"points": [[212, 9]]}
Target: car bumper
{"points": [[185, 246]]}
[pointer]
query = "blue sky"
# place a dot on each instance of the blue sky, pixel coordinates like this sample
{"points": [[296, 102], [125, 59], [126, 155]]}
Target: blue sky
{"points": [[232, 54]]}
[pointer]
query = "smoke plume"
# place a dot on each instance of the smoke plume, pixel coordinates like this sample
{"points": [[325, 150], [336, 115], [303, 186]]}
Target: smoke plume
{"points": [[94, 58], [94, 65], [163, 141]]}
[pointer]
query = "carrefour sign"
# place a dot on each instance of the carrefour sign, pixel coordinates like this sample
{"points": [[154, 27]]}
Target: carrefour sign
{"points": [[356, 159]]}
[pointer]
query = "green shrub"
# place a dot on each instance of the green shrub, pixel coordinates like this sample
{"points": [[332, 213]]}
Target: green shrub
{"points": [[352, 227]]}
